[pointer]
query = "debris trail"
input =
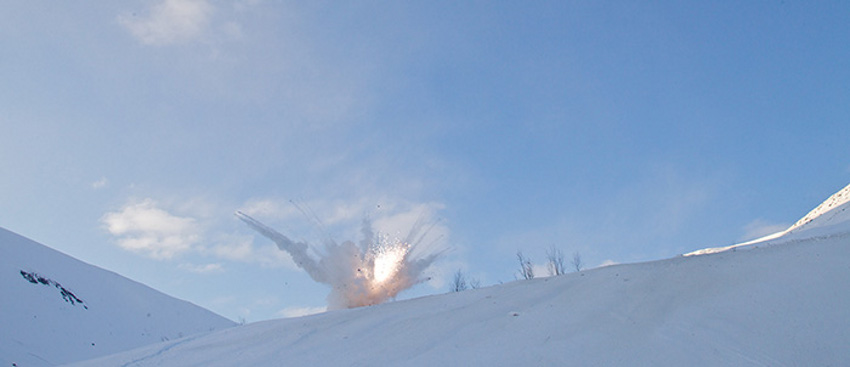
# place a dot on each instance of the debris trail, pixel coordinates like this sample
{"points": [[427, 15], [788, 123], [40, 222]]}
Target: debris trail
{"points": [[298, 250]]}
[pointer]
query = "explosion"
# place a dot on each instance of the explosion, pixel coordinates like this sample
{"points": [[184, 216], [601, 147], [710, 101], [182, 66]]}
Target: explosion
{"points": [[387, 262], [373, 272]]}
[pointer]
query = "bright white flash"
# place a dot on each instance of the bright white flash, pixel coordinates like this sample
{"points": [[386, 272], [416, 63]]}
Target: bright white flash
{"points": [[388, 261]]}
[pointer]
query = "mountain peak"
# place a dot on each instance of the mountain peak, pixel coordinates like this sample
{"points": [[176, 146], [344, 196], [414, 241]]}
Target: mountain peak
{"points": [[829, 213], [832, 211]]}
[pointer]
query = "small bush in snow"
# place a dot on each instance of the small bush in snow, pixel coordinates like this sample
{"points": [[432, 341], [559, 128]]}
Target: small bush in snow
{"points": [[555, 261], [525, 268], [458, 282], [577, 263]]}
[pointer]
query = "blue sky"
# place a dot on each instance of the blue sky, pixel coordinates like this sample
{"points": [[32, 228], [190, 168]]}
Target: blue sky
{"points": [[131, 131]]}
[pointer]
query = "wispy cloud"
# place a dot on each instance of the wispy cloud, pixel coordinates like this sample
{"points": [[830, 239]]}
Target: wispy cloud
{"points": [[760, 228], [243, 249], [170, 22], [145, 228], [151, 228], [202, 269], [268, 208], [99, 184]]}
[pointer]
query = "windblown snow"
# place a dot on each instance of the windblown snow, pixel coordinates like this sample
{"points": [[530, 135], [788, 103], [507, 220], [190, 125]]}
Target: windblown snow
{"points": [[57, 310], [780, 302]]}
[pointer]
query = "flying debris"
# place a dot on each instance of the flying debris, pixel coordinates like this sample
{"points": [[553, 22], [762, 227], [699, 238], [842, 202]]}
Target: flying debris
{"points": [[373, 272]]}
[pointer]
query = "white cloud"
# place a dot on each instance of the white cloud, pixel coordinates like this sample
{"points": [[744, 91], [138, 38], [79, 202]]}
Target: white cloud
{"points": [[268, 208], [170, 21], [144, 228], [202, 269], [760, 228], [243, 249], [99, 184]]}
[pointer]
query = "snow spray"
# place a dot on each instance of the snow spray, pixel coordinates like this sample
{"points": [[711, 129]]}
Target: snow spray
{"points": [[359, 275]]}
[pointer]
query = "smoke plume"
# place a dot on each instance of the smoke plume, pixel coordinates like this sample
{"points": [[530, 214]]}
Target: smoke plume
{"points": [[372, 272]]}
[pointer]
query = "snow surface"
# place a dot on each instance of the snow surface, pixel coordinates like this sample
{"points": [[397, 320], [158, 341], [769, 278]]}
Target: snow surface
{"points": [[781, 302], [42, 325]]}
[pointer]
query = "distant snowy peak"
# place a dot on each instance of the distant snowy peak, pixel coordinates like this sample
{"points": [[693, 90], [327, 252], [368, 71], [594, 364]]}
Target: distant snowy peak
{"points": [[831, 211]]}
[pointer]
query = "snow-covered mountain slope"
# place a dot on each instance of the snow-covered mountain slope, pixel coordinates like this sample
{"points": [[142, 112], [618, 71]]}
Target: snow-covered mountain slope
{"points": [[831, 212], [784, 302], [829, 218], [56, 309]]}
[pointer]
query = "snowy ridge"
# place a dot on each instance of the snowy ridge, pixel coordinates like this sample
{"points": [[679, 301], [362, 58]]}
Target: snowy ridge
{"points": [[781, 305], [831, 213], [58, 310]]}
